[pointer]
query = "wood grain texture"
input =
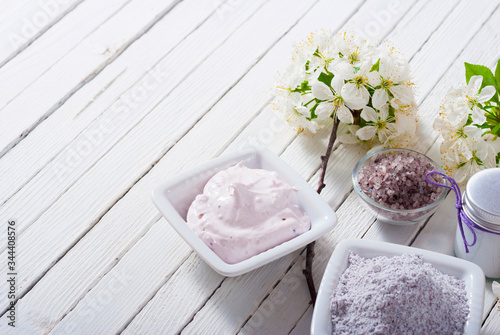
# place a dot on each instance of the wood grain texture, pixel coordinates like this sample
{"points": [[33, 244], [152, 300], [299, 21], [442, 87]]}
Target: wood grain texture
{"points": [[104, 110], [47, 50], [492, 324], [96, 255], [78, 66], [234, 100], [23, 21], [255, 23], [89, 131]]}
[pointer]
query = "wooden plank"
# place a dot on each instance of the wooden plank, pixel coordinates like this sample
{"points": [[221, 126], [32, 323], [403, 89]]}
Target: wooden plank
{"points": [[492, 324], [55, 43], [109, 105], [199, 278], [236, 99], [85, 146], [22, 22], [304, 324], [80, 65], [117, 291], [250, 30]]}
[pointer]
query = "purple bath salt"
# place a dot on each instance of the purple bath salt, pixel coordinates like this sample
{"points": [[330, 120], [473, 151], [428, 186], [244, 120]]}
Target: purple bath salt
{"points": [[398, 181], [397, 295]]}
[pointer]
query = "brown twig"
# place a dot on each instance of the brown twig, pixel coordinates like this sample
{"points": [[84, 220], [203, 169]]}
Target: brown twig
{"points": [[310, 247]]}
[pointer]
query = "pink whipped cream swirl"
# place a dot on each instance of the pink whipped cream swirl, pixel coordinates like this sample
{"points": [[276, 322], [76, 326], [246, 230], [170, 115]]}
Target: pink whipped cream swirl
{"points": [[243, 212]]}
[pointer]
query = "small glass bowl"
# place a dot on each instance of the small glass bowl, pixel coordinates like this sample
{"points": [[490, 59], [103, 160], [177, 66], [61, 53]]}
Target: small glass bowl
{"points": [[397, 216]]}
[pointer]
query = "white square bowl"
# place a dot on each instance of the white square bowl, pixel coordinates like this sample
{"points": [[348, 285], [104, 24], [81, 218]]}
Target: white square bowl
{"points": [[459, 268], [173, 198]]}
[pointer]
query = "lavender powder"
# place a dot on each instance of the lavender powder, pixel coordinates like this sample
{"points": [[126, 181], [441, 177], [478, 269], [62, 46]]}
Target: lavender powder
{"points": [[397, 295], [397, 181]]}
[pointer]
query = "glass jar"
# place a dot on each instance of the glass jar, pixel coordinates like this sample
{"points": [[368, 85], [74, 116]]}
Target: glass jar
{"points": [[481, 204]]}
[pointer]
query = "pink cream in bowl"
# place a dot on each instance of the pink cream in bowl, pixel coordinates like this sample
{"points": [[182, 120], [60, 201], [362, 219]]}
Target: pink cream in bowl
{"points": [[243, 212]]}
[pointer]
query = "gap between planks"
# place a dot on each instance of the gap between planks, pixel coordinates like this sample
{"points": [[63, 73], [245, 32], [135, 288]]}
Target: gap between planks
{"points": [[116, 99], [20, 296], [80, 133], [29, 128], [39, 33]]}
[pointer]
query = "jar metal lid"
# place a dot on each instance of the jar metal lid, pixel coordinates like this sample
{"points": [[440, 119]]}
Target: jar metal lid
{"points": [[482, 198]]}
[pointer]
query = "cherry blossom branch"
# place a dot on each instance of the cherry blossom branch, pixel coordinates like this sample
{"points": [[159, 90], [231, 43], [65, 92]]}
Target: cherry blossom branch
{"points": [[310, 247]]}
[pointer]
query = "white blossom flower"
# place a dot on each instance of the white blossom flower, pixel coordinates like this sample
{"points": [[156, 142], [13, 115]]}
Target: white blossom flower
{"points": [[289, 80], [353, 51], [453, 114], [325, 54], [450, 128], [357, 69], [296, 115], [495, 286], [379, 123], [338, 100], [390, 78], [406, 127], [463, 142], [474, 98], [464, 158], [466, 147], [357, 79]]}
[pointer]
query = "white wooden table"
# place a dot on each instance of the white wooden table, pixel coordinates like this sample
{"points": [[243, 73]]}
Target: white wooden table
{"points": [[102, 100]]}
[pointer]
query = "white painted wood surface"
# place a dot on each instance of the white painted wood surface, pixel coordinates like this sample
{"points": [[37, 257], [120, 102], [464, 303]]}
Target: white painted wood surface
{"points": [[109, 98]]}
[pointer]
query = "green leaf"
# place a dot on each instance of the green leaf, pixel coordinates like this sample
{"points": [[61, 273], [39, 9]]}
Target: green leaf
{"points": [[483, 126], [356, 69], [469, 120], [375, 66], [497, 76], [302, 88], [313, 112], [326, 78], [392, 111], [496, 129], [488, 77], [480, 70]]}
